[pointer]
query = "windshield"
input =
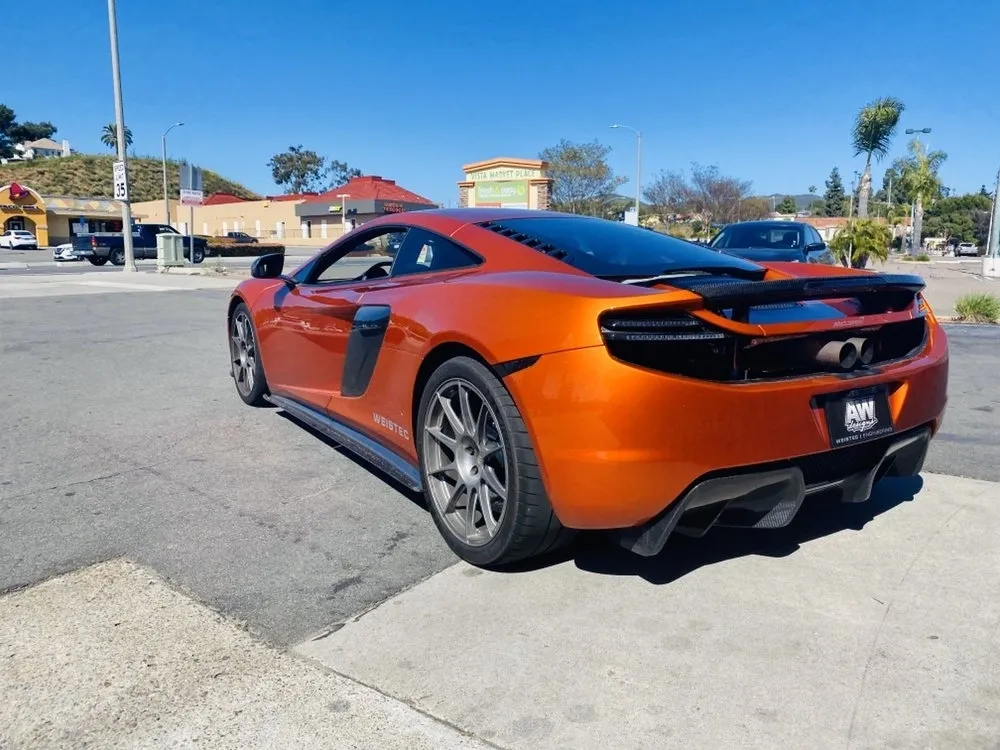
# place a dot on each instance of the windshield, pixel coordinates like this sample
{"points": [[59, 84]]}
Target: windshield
{"points": [[765, 236], [616, 250]]}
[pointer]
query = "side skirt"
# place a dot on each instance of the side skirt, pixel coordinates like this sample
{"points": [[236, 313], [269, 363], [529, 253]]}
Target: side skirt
{"points": [[357, 442]]}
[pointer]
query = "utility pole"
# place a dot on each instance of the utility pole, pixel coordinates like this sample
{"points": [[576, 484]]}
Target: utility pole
{"points": [[120, 126], [991, 260], [638, 166]]}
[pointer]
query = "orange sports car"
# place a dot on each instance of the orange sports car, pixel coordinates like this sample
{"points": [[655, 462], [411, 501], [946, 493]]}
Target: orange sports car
{"points": [[535, 374]]}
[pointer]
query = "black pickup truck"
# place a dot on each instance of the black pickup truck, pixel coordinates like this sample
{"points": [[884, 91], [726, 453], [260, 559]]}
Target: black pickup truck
{"points": [[101, 247]]}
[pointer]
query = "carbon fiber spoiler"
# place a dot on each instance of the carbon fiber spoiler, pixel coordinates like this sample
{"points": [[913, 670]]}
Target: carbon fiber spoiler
{"points": [[896, 290]]}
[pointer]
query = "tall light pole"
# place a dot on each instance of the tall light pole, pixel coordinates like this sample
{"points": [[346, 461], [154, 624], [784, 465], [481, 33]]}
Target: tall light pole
{"points": [[120, 127], [166, 197], [638, 166]]}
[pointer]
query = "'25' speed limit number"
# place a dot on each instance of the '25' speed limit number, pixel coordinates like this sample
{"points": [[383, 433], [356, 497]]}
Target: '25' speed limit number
{"points": [[121, 182]]}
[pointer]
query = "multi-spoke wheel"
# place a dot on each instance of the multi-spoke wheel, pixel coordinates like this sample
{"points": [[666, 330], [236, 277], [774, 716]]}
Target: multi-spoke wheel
{"points": [[245, 357], [479, 468]]}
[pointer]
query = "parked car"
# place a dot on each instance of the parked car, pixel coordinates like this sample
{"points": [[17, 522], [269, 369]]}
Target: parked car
{"points": [[534, 373], [242, 237], [64, 252], [18, 239], [966, 248], [791, 241], [100, 247]]}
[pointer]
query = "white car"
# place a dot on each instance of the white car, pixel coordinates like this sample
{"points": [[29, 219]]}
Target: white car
{"points": [[64, 252], [18, 239], [966, 248]]}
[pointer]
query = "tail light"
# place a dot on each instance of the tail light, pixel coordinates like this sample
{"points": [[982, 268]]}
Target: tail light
{"points": [[674, 343], [93, 241]]}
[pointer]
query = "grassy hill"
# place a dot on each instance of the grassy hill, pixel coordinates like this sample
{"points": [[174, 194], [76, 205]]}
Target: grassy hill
{"points": [[89, 176]]}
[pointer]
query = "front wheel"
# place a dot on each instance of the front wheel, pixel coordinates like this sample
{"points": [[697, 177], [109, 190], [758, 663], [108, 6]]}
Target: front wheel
{"points": [[479, 469], [98, 261], [199, 255]]}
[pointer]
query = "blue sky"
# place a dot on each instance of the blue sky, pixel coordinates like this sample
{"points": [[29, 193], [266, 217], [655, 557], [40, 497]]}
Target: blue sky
{"points": [[767, 90]]}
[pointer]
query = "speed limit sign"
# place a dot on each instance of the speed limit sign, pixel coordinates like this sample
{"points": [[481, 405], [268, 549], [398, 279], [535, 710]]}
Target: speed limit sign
{"points": [[121, 182]]}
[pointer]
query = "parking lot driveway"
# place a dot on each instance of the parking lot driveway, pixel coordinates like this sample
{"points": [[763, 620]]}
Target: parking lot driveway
{"points": [[122, 434], [866, 626]]}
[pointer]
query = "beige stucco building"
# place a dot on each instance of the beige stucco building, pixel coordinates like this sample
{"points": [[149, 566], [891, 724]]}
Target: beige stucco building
{"points": [[309, 219], [505, 182]]}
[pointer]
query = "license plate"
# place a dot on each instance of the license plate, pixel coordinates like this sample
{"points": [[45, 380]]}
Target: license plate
{"points": [[858, 416]]}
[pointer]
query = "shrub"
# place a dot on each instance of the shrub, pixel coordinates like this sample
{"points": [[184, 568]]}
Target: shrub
{"points": [[242, 250], [860, 240], [978, 307]]}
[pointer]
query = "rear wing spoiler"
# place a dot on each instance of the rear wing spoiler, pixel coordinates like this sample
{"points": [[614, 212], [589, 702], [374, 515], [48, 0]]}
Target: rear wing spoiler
{"points": [[882, 290]]}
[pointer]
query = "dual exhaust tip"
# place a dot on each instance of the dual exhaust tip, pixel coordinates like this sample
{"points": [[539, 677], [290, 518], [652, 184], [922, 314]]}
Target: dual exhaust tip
{"points": [[845, 355]]}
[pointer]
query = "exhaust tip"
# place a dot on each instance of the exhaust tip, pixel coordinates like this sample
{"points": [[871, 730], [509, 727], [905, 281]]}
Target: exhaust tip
{"points": [[865, 348], [841, 355]]}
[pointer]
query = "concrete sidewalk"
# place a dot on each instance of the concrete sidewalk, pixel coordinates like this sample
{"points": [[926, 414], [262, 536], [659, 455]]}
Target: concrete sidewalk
{"points": [[876, 625], [112, 657]]}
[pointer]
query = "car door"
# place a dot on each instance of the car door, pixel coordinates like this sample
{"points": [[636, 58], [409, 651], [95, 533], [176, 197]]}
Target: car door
{"points": [[305, 344]]}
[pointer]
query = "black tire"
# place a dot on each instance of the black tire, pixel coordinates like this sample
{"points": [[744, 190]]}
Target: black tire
{"points": [[529, 526], [98, 261], [199, 255], [253, 396], [118, 257]]}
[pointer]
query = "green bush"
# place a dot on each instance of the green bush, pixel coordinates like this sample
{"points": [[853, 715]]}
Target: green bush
{"points": [[242, 250], [978, 307]]}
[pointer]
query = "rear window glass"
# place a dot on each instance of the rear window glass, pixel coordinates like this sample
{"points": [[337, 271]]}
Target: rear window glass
{"points": [[614, 249]]}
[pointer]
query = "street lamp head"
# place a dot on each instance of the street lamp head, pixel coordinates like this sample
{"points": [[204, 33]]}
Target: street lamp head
{"points": [[616, 126], [911, 131]]}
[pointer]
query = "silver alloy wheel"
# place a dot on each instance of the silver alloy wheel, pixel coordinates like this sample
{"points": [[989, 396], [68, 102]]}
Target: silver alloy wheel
{"points": [[244, 353], [466, 461]]}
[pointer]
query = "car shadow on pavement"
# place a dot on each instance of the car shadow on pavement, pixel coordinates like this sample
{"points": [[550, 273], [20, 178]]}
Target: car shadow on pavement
{"points": [[414, 497], [819, 517]]}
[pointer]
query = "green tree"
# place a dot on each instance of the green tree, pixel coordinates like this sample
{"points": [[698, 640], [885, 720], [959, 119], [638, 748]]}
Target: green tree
{"points": [[7, 121], [109, 136], [787, 205], [872, 134], [920, 179], [583, 181], [860, 241], [812, 189], [834, 200], [962, 218], [300, 170], [818, 207], [32, 131]]}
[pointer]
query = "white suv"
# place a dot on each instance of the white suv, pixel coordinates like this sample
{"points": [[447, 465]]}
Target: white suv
{"points": [[15, 239], [966, 248]]}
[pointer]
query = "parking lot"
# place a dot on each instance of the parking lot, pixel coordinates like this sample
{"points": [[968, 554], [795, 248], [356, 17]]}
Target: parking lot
{"points": [[123, 445]]}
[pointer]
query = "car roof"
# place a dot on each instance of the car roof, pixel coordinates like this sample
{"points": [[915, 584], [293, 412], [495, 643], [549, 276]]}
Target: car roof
{"points": [[768, 223], [450, 220]]}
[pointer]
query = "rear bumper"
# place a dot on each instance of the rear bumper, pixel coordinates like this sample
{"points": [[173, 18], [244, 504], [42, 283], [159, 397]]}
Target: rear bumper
{"points": [[618, 445]]}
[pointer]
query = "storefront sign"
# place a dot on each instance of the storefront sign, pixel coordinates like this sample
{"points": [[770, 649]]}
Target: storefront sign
{"points": [[503, 173], [12, 208], [393, 208], [514, 193]]}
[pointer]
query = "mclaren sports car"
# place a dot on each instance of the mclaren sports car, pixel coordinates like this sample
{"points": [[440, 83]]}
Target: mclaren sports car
{"points": [[535, 374]]}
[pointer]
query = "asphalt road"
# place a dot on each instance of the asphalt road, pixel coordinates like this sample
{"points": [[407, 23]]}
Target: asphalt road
{"points": [[121, 434]]}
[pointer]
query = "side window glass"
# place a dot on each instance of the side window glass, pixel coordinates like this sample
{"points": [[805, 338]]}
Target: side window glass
{"points": [[424, 252], [340, 265]]}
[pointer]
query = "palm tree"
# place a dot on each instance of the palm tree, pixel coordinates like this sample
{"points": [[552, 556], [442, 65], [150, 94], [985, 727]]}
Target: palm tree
{"points": [[873, 130], [920, 180], [109, 136]]}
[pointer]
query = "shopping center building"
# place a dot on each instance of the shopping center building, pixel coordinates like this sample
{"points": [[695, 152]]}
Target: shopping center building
{"points": [[504, 182], [311, 219], [55, 219]]}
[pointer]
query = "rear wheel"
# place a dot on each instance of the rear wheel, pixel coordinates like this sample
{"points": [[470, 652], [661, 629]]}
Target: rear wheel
{"points": [[118, 257], [247, 371], [479, 469]]}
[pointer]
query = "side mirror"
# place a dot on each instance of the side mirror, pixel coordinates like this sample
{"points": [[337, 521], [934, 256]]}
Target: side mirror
{"points": [[268, 266], [815, 247]]}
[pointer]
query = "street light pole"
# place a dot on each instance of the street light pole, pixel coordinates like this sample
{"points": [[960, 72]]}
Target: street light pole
{"points": [[166, 198], [120, 129], [343, 212], [638, 166]]}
